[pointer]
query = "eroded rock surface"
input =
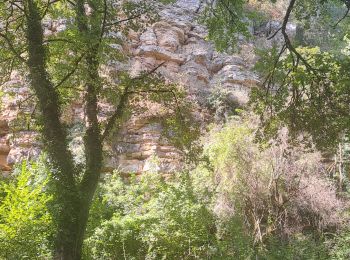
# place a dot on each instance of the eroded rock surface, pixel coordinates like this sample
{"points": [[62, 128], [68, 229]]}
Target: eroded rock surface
{"points": [[17, 141], [190, 61], [176, 40]]}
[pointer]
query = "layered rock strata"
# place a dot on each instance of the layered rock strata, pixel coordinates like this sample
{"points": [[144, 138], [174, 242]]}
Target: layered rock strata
{"points": [[177, 42]]}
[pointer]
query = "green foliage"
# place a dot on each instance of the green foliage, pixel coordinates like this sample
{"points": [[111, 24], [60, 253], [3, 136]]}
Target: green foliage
{"points": [[233, 240], [311, 98], [258, 189], [152, 219], [318, 18], [12, 50], [182, 129], [197, 215], [221, 104], [25, 222], [232, 206], [212, 211], [225, 21], [299, 246], [340, 249]]}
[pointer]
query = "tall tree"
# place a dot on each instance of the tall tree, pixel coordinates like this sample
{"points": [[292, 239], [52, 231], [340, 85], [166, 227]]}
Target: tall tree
{"points": [[68, 63], [54, 133]]}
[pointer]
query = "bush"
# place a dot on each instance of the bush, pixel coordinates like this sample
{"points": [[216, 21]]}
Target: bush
{"points": [[276, 187], [25, 222], [152, 219], [244, 201]]}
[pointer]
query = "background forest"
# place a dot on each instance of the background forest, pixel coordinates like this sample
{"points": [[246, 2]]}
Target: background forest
{"points": [[258, 176]]}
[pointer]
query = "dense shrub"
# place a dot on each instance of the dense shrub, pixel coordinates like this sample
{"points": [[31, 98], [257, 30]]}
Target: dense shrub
{"points": [[25, 222], [340, 249], [298, 246], [246, 200], [153, 219], [277, 188]]}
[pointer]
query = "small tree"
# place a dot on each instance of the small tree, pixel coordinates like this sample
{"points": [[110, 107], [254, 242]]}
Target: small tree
{"points": [[25, 221], [152, 218]]}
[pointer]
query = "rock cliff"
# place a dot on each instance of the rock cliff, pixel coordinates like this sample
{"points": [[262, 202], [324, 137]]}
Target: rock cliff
{"points": [[178, 42]]}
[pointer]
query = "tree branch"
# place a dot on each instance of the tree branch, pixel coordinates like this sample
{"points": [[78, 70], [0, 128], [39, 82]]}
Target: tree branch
{"points": [[159, 91], [57, 40], [16, 5], [69, 74], [126, 19], [12, 48], [288, 44], [54, 132], [287, 40], [118, 112], [71, 2], [104, 22], [341, 19], [49, 3], [274, 34]]}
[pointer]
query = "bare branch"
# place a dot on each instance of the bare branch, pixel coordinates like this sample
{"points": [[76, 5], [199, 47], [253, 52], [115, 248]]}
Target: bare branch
{"points": [[118, 112], [69, 74], [47, 7], [288, 45], [71, 2], [160, 91], [287, 40], [57, 40], [20, 102], [341, 19], [16, 5], [149, 72], [104, 22], [274, 34], [126, 19], [12, 48]]}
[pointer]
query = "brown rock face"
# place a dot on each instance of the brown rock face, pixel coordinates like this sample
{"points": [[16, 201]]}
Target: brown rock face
{"points": [[189, 61], [178, 41], [140, 147], [16, 141], [4, 147]]}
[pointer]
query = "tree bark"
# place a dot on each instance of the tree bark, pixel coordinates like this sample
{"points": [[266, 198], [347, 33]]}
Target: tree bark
{"points": [[72, 197], [55, 138], [90, 36], [93, 145]]}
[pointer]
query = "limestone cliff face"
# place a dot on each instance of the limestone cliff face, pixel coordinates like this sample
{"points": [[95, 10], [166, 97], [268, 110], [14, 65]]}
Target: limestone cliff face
{"points": [[176, 40], [4, 147], [16, 145]]}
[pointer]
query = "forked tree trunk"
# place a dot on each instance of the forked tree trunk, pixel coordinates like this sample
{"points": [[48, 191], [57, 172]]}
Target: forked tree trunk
{"points": [[72, 198]]}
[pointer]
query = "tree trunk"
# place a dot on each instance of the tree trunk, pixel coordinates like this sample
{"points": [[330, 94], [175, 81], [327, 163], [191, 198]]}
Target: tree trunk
{"points": [[93, 148], [72, 198], [92, 139], [55, 138]]}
